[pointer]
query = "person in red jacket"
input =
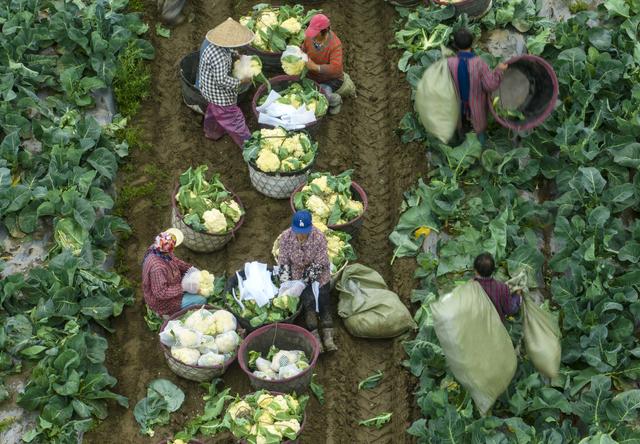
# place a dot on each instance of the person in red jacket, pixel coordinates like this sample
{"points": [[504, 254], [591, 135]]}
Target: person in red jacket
{"points": [[324, 49], [162, 274]]}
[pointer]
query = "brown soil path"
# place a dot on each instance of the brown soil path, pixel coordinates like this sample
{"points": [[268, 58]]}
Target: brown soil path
{"points": [[361, 137]]}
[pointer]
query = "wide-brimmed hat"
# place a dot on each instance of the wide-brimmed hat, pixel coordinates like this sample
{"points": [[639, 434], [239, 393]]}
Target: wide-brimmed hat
{"points": [[230, 34], [177, 234]]}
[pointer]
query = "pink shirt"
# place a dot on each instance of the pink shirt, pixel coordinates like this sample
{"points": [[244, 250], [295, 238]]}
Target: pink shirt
{"points": [[481, 81]]}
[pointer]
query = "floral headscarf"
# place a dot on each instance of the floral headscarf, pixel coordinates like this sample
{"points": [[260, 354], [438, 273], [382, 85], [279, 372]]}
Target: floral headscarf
{"points": [[165, 242]]}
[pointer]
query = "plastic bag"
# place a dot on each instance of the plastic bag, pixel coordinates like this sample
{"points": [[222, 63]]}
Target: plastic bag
{"points": [[437, 102], [315, 288], [284, 358], [208, 344], [288, 371], [257, 285], [211, 360], [292, 288], [368, 307], [476, 344], [185, 355], [168, 336], [201, 320], [242, 68], [541, 338], [191, 281], [263, 365]]}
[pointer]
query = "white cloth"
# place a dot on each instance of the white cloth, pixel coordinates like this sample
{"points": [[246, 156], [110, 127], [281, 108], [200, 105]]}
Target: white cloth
{"points": [[257, 285]]}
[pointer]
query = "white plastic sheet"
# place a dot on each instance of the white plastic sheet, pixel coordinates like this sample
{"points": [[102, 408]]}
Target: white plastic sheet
{"points": [[280, 114]]}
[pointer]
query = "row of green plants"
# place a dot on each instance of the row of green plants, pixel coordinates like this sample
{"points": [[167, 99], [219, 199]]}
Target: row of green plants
{"points": [[57, 169], [562, 206]]}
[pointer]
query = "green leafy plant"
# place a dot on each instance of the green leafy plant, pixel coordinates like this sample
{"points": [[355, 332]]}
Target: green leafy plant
{"points": [[377, 421], [372, 381], [163, 397]]}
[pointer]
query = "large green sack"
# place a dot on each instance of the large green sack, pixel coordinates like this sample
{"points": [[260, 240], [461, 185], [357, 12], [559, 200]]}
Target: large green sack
{"points": [[368, 307], [541, 338], [478, 348], [437, 102]]}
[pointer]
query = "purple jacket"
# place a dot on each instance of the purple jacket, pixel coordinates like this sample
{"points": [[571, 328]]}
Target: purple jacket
{"points": [[506, 303]]}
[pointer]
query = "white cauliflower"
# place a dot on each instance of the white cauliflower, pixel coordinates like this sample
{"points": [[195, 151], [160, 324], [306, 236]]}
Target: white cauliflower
{"points": [[289, 371], [355, 206], [247, 67], [264, 400], [169, 336], [334, 245], [268, 18], [268, 161], [320, 226], [239, 409], [321, 182], [316, 205], [186, 337], [263, 365], [232, 209], [244, 20], [214, 221], [269, 376], [208, 345], [224, 321], [292, 25], [186, 355], [227, 342], [211, 360], [200, 320], [206, 283], [292, 145], [291, 424]]}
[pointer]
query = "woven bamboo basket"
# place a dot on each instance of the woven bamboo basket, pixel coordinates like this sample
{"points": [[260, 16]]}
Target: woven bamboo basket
{"points": [[195, 372], [473, 8], [277, 185], [199, 241]]}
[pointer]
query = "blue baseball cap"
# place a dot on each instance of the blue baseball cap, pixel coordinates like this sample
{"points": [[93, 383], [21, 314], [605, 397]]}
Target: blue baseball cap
{"points": [[301, 222]]}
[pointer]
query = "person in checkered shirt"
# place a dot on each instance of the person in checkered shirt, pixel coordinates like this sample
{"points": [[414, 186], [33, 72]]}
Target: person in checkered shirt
{"points": [[218, 86]]}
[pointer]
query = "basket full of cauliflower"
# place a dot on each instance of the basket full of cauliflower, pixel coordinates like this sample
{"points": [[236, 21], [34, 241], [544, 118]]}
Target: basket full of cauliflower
{"points": [[335, 201], [275, 28], [200, 343], [279, 160], [267, 417], [206, 211]]}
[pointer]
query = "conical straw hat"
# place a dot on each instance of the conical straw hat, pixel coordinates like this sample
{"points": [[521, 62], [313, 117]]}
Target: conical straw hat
{"points": [[230, 34]]}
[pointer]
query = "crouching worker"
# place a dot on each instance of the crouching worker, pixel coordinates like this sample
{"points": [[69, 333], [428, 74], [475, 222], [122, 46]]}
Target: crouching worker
{"points": [[162, 274], [218, 86], [303, 256], [324, 49], [506, 303]]}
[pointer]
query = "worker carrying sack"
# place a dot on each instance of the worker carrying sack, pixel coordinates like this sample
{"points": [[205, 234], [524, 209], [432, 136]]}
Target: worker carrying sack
{"points": [[478, 348], [436, 100], [541, 332], [368, 307]]}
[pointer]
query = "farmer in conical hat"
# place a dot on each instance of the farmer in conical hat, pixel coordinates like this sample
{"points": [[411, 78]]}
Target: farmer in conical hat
{"points": [[218, 86], [473, 80], [162, 274], [303, 256], [324, 49]]}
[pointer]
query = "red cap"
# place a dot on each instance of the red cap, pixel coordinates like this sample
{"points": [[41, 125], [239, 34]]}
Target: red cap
{"points": [[318, 23]]}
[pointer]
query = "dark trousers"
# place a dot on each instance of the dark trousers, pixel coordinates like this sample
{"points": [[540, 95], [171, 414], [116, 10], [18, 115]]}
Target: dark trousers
{"points": [[324, 301]]}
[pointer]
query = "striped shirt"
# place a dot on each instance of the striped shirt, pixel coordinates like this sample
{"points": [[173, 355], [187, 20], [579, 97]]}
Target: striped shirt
{"points": [[506, 304], [216, 85], [481, 81], [303, 258], [329, 58], [162, 282]]}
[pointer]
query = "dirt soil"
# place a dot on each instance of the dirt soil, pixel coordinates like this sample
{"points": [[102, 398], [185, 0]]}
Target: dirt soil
{"points": [[361, 137]]}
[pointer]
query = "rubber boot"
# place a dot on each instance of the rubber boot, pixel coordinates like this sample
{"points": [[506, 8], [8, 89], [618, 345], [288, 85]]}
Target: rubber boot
{"points": [[333, 110], [317, 336], [327, 339]]}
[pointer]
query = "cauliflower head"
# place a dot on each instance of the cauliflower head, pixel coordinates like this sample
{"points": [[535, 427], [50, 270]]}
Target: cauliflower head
{"points": [[321, 182], [292, 25], [290, 426], [186, 355], [200, 320], [186, 337], [214, 221], [224, 321], [268, 161], [320, 226], [316, 205], [268, 18], [293, 65], [239, 409], [211, 360], [355, 206], [206, 283], [227, 342]]}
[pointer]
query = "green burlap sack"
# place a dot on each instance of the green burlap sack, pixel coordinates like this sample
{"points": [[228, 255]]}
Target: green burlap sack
{"points": [[368, 307], [541, 338], [436, 101], [348, 88], [476, 344]]}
